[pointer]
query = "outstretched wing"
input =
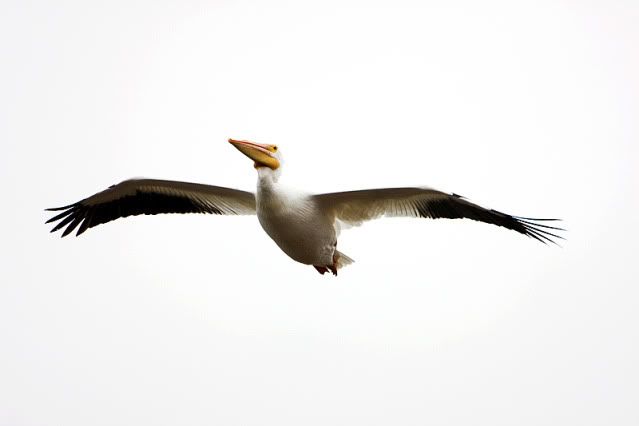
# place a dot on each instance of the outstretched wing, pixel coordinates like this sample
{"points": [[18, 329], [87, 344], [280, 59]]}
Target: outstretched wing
{"points": [[355, 207], [151, 196]]}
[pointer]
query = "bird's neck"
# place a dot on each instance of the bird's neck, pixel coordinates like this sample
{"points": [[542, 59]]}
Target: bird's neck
{"points": [[267, 180], [270, 196], [267, 176]]}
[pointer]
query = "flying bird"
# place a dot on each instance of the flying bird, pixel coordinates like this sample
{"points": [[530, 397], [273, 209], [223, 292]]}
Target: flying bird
{"points": [[305, 226]]}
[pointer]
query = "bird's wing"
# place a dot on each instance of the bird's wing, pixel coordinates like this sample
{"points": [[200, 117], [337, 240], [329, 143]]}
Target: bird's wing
{"points": [[355, 207], [151, 196]]}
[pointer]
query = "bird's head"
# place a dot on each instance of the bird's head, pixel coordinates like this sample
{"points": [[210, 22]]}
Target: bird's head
{"points": [[266, 157]]}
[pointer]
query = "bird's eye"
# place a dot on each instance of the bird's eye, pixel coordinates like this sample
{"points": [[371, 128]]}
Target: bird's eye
{"points": [[274, 147]]}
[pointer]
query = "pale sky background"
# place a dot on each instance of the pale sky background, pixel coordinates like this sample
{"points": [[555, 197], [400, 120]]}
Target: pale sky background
{"points": [[531, 108]]}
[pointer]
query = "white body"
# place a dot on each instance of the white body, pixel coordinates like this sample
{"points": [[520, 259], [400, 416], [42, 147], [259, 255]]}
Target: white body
{"points": [[304, 232]]}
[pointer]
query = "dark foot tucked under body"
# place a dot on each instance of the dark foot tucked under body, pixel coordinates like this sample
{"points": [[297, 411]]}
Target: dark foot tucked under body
{"points": [[324, 269], [333, 268]]}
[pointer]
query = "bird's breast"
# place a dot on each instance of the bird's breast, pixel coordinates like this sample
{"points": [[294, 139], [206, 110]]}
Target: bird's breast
{"points": [[298, 227]]}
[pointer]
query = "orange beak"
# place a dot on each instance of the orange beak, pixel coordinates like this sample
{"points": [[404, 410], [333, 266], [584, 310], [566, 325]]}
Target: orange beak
{"points": [[261, 154]]}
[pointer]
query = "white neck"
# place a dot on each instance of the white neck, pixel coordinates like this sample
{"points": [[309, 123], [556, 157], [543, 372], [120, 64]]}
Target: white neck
{"points": [[267, 178]]}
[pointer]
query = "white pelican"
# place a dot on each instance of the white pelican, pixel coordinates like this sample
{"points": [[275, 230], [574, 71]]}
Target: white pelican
{"points": [[304, 226]]}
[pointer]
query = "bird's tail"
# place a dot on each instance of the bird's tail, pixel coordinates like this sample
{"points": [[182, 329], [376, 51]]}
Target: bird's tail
{"points": [[342, 260]]}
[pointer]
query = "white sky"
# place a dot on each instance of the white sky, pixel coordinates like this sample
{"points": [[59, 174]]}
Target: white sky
{"points": [[527, 107]]}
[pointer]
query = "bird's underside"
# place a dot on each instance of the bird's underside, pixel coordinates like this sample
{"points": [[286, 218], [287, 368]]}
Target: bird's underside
{"points": [[304, 226]]}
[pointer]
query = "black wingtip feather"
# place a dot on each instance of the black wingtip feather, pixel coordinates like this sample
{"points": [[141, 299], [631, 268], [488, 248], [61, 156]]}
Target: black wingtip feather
{"points": [[86, 223], [60, 216], [531, 235], [63, 223], [72, 225], [536, 231], [54, 209], [536, 219], [540, 237], [539, 225]]}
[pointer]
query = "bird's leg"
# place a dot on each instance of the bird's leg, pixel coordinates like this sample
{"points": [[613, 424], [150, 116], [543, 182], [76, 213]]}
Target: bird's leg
{"points": [[333, 267], [321, 269]]}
